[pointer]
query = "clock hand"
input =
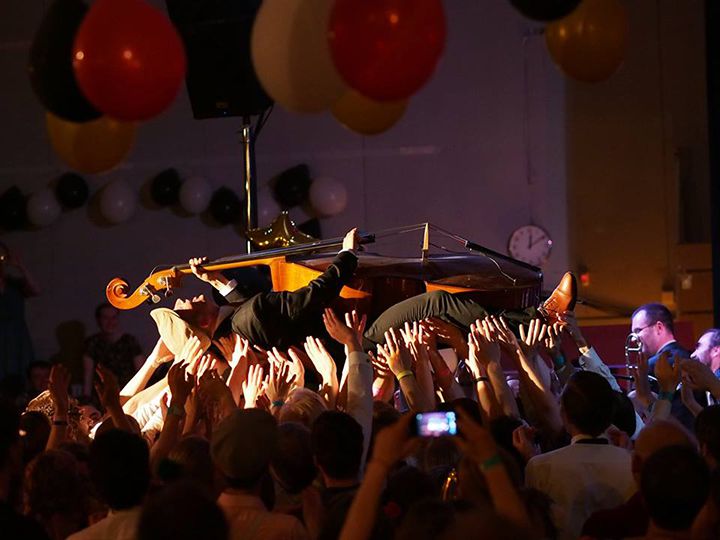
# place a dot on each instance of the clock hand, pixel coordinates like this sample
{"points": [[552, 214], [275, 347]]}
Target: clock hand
{"points": [[542, 237]]}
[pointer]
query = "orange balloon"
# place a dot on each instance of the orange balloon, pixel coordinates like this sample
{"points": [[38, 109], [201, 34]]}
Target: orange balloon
{"points": [[365, 116], [90, 147], [589, 44]]}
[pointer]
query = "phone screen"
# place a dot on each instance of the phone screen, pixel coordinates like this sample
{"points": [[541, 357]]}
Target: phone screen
{"points": [[435, 424]]}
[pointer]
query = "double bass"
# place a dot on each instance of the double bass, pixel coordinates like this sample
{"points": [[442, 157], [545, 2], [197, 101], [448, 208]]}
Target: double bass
{"points": [[380, 281]]}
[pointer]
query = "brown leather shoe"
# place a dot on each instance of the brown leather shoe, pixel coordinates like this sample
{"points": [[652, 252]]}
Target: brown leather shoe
{"points": [[562, 299]]}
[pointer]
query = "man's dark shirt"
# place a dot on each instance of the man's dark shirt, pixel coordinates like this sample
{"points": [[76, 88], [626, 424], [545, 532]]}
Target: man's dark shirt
{"points": [[284, 318]]}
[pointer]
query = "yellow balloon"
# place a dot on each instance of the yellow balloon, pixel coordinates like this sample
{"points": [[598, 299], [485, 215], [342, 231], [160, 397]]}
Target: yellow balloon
{"points": [[365, 116], [90, 147], [291, 54], [589, 44]]}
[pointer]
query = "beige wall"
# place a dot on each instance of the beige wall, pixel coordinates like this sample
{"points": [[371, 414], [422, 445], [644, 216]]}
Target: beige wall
{"points": [[624, 178]]}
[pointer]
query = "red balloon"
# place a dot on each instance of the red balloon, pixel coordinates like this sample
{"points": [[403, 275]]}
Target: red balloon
{"points": [[387, 49], [128, 58]]}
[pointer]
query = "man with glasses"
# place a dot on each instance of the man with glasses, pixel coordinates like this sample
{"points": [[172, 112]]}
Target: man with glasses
{"points": [[653, 324]]}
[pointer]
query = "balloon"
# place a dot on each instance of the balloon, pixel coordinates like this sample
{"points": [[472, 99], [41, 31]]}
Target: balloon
{"points": [[225, 206], [545, 10], [589, 45], [267, 207], [50, 68], [42, 208], [71, 190], [117, 202], [91, 147], [195, 195], [13, 214], [387, 49], [128, 58], [291, 54], [281, 233], [365, 116], [328, 197], [292, 186], [165, 187]]}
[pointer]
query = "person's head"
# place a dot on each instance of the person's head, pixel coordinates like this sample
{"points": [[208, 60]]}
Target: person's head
{"points": [[674, 484], [192, 462], [293, 466], [243, 445], [119, 468], [653, 324], [35, 430], [198, 311], [624, 418], [587, 404], [707, 349], [337, 444], [182, 511], [707, 430], [89, 416], [302, 406], [657, 435], [38, 374], [107, 318], [54, 486]]}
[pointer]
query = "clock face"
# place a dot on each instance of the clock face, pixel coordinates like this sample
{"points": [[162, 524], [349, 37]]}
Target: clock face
{"points": [[530, 244]]}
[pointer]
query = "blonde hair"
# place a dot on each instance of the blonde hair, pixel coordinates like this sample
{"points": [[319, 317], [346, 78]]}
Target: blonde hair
{"points": [[303, 406]]}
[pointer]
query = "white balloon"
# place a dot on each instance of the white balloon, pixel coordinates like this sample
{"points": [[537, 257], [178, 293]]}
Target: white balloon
{"points": [[328, 197], [291, 54], [42, 208], [267, 207], [195, 195], [117, 201]]}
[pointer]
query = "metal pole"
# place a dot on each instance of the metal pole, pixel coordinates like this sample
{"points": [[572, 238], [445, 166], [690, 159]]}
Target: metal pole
{"points": [[712, 55], [248, 142]]}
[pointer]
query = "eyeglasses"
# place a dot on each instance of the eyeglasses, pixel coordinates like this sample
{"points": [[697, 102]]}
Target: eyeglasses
{"points": [[638, 330]]}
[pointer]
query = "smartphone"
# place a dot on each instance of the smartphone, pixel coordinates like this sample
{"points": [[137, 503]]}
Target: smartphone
{"points": [[434, 424]]}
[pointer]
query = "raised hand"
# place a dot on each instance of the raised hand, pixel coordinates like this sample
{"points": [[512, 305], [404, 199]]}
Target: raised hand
{"points": [[553, 339], [58, 387], [280, 381], [351, 240], [523, 441], [212, 387], [476, 442], [181, 383], [254, 386], [535, 334], [107, 387], [640, 374], [499, 328], [380, 366], [190, 354], [668, 376], [483, 346], [573, 328], [396, 353], [700, 376], [320, 358], [349, 333], [297, 365]]}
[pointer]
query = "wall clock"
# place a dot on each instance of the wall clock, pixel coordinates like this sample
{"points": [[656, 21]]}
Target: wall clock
{"points": [[530, 244]]}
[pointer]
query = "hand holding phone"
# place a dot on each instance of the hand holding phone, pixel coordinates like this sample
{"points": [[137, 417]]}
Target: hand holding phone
{"points": [[434, 424]]}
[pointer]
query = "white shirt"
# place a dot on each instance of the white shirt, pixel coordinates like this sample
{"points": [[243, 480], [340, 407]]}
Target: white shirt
{"points": [[118, 525], [581, 479]]}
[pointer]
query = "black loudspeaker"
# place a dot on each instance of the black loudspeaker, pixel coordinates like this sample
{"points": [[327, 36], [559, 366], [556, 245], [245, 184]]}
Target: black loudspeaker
{"points": [[221, 80]]}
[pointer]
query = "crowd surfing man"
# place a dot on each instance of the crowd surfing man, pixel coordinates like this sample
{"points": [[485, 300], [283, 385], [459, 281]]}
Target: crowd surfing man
{"points": [[284, 318]]}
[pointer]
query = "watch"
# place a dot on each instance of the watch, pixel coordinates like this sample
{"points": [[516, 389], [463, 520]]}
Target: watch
{"points": [[530, 244]]}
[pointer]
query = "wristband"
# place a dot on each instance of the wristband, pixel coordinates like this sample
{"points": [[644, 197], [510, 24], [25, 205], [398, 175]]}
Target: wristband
{"points": [[59, 423], [491, 463], [668, 396], [278, 403], [176, 411], [480, 379], [405, 373]]}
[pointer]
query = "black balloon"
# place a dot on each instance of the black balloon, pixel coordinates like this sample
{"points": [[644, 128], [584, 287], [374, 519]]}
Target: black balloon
{"points": [[292, 186], [71, 190], [545, 10], [165, 187], [50, 68], [13, 209], [225, 206]]}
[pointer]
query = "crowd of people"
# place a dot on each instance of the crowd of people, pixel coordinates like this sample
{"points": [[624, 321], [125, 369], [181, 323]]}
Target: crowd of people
{"points": [[280, 418]]}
